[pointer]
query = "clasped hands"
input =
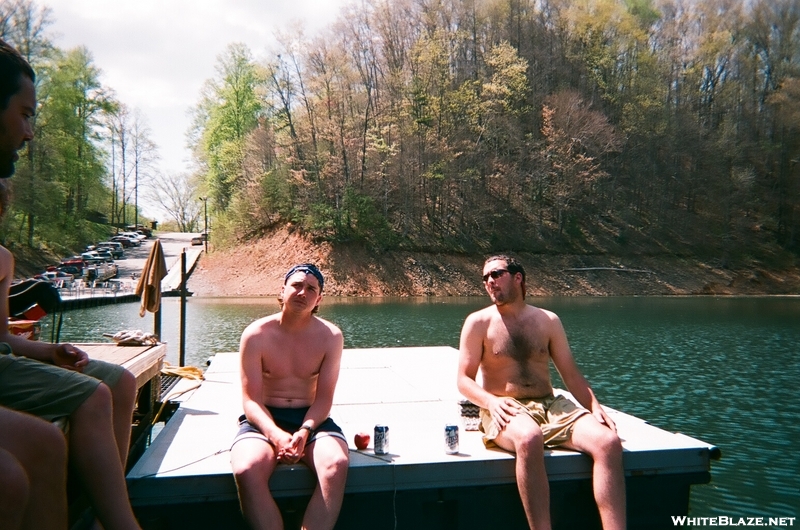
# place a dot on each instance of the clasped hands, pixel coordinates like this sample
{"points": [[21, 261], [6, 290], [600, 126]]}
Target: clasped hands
{"points": [[290, 448]]}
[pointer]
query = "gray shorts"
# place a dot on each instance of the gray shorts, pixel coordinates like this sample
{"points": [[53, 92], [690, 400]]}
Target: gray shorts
{"points": [[47, 391], [289, 420]]}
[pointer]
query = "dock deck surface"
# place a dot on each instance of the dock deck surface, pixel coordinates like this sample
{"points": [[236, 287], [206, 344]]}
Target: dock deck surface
{"points": [[413, 391], [144, 362]]}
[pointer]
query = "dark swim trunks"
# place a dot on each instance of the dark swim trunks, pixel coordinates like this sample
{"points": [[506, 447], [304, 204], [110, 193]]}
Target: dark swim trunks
{"points": [[290, 420]]}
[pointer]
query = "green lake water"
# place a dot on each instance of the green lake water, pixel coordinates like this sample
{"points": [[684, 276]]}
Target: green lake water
{"points": [[724, 370]]}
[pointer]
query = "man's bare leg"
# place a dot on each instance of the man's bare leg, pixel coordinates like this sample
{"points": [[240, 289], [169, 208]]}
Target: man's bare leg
{"points": [[524, 437], [94, 451], [39, 451], [14, 491], [253, 461], [328, 456], [608, 477], [123, 398]]}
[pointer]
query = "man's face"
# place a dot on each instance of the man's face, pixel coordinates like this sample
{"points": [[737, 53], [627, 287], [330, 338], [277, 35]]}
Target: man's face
{"points": [[15, 126], [302, 291], [499, 283]]}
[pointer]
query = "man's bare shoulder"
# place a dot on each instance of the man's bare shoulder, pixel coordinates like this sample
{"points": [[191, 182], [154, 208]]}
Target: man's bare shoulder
{"points": [[6, 259], [540, 312], [262, 325], [482, 315], [542, 317], [327, 327]]}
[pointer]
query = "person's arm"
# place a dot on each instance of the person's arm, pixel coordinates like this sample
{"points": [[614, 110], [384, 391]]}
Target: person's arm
{"points": [[574, 380], [253, 389], [320, 409], [63, 355], [470, 355]]}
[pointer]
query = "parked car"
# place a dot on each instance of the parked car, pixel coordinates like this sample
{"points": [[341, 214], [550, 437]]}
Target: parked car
{"points": [[134, 235], [139, 228], [54, 276], [114, 247], [71, 269], [73, 262], [125, 240]]}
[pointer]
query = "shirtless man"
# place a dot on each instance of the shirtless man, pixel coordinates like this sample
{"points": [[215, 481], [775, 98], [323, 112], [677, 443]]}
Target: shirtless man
{"points": [[512, 343], [59, 380], [289, 367]]}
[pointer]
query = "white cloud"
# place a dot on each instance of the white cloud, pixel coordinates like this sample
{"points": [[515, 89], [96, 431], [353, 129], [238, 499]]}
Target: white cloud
{"points": [[156, 54]]}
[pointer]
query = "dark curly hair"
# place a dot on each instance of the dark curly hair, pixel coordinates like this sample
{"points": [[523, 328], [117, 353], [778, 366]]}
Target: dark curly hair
{"points": [[12, 67]]}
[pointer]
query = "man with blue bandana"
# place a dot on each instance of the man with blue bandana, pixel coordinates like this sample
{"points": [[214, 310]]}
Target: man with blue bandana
{"points": [[289, 368]]}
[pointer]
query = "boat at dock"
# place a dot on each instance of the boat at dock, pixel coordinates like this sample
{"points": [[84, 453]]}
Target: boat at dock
{"points": [[184, 479]]}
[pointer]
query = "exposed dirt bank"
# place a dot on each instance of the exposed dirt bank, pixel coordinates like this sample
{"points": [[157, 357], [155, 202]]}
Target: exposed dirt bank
{"points": [[257, 269]]}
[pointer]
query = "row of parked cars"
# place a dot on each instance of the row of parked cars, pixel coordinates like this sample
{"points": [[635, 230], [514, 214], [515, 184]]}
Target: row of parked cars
{"points": [[96, 263]]}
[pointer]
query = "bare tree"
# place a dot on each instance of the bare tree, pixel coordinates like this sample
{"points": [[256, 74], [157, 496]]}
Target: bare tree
{"points": [[176, 194]]}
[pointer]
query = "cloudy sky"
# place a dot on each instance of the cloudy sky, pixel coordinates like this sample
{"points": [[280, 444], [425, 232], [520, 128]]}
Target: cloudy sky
{"points": [[156, 54]]}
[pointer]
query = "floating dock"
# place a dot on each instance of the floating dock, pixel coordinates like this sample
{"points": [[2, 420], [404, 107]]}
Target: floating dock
{"points": [[184, 477]]}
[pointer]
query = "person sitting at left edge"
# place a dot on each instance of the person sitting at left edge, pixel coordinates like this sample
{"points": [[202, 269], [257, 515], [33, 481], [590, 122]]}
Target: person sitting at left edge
{"points": [[33, 473], [58, 380], [289, 368]]}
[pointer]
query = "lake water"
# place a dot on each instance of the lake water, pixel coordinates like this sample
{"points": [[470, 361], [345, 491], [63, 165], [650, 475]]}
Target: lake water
{"points": [[724, 370]]}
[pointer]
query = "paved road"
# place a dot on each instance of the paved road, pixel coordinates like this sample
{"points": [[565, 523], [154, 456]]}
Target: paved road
{"points": [[172, 243]]}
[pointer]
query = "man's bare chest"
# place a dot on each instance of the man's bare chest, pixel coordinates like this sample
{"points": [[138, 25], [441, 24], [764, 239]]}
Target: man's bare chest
{"points": [[291, 362], [520, 343]]}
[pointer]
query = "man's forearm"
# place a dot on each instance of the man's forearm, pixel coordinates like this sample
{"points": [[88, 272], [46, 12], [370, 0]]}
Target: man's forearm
{"points": [[258, 415], [476, 394], [41, 351]]}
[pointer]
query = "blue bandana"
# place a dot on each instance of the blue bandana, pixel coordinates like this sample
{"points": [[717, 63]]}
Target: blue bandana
{"points": [[308, 268]]}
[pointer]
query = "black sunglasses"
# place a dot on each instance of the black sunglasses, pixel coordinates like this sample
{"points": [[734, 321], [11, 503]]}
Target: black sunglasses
{"points": [[494, 274]]}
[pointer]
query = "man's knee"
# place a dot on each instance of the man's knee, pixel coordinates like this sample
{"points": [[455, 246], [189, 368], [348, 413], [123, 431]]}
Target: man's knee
{"points": [[248, 464], [615, 445], [608, 445], [526, 438], [126, 386], [98, 404], [14, 484], [332, 464], [51, 446]]}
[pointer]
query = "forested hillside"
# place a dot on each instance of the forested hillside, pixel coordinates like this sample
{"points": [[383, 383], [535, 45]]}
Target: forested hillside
{"points": [[616, 127], [82, 173], [602, 126]]}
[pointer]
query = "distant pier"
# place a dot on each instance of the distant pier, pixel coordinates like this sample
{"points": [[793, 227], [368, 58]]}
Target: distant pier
{"points": [[118, 291]]}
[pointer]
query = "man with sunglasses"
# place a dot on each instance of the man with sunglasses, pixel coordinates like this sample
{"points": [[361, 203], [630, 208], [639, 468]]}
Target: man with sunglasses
{"points": [[289, 368], [513, 343]]}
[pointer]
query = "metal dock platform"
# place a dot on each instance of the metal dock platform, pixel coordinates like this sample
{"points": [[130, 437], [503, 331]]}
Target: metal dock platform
{"points": [[184, 477]]}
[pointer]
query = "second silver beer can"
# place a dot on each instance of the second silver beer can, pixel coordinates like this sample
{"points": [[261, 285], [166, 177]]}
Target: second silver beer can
{"points": [[451, 439], [381, 439]]}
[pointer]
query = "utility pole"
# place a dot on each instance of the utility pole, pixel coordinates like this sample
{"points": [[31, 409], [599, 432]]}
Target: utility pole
{"points": [[205, 225]]}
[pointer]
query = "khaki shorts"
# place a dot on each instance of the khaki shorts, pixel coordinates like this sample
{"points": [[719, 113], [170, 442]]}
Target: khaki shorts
{"points": [[47, 391], [555, 415]]}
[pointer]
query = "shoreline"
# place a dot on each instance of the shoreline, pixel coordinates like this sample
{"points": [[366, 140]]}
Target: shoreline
{"points": [[256, 268]]}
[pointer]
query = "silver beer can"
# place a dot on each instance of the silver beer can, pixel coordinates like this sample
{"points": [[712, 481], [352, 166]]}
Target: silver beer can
{"points": [[381, 439], [451, 439]]}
